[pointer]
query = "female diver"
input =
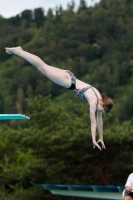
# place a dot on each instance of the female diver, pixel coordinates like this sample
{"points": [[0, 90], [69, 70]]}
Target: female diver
{"points": [[98, 103]]}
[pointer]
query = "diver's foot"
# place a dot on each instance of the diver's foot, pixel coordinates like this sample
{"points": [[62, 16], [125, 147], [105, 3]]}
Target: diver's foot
{"points": [[96, 145], [12, 50]]}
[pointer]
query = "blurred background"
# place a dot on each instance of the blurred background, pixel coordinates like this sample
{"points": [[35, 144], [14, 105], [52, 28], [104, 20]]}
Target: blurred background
{"points": [[94, 40]]}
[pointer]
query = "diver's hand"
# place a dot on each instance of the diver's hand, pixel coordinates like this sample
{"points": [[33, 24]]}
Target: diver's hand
{"points": [[96, 144], [128, 189], [102, 143]]}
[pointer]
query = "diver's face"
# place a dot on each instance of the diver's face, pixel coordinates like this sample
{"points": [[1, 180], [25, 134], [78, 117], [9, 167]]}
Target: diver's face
{"points": [[100, 107]]}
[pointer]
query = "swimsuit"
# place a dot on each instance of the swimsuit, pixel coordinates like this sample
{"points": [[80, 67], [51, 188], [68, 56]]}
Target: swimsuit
{"points": [[79, 92]]}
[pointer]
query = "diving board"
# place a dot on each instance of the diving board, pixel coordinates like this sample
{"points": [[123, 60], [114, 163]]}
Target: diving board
{"points": [[13, 117], [87, 191]]}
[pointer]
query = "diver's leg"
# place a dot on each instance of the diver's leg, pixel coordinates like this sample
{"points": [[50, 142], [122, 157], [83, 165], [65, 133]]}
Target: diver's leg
{"points": [[58, 76]]}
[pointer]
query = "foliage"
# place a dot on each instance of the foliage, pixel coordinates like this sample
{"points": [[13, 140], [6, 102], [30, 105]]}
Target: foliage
{"points": [[94, 40], [57, 142], [55, 145]]}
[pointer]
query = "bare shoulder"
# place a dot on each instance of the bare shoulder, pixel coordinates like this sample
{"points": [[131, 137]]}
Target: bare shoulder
{"points": [[91, 97], [97, 92]]}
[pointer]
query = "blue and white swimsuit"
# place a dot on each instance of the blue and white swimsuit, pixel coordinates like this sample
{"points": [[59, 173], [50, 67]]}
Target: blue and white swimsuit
{"points": [[79, 92]]}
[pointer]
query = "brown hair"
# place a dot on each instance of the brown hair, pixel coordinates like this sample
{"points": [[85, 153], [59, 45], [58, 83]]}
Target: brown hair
{"points": [[107, 103]]}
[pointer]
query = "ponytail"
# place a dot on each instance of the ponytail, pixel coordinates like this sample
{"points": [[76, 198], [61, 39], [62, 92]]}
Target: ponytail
{"points": [[107, 103]]}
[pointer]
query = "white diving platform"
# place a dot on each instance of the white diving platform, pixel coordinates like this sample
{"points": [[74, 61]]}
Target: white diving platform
{"points": [[13, 117], [86, 191]]}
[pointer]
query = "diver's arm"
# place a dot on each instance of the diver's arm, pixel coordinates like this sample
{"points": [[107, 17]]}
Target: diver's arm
{"points": [[100, 128], [93, 124]]}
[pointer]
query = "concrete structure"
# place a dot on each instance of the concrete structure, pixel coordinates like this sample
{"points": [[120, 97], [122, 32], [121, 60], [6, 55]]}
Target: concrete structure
{"points": [[13, 117], [87, 191]]}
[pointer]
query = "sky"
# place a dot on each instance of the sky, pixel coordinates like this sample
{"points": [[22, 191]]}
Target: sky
{"points": [[10, 8]]}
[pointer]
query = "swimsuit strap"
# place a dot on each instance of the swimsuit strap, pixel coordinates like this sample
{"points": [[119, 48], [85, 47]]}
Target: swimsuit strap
{"points": [[95, 93]]}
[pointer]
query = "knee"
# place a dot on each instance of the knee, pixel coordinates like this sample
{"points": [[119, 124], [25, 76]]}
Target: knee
{"points": [[127, 198]]}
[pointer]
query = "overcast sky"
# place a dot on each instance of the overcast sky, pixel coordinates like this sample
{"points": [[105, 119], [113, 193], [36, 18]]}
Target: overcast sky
{"points": [[10, 8]]}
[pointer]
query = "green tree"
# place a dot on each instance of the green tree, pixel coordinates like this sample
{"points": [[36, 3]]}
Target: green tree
{"points": [[39, 17], [82, 5]]}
